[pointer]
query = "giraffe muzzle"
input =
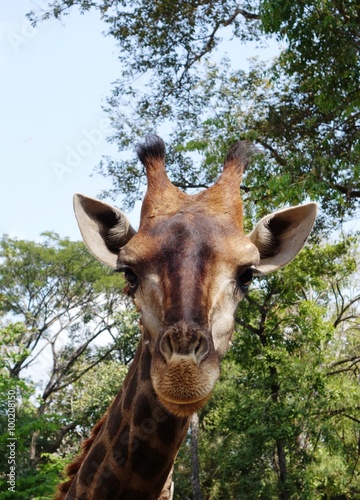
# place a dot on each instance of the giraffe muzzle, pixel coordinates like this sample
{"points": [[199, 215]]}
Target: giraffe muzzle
{"points": [[183, 340], [184, 367]]}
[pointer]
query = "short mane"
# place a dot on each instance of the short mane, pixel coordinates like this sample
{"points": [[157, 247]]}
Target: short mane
{"points": [[73, 468]]}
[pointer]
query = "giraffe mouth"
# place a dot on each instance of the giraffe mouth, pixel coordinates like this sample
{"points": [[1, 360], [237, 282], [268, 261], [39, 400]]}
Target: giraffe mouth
{"points": [[183, 409], [182, 386]]}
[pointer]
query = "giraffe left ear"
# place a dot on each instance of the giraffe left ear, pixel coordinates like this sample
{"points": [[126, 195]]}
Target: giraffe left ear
{"points": [[105, 229], [281, 235]]}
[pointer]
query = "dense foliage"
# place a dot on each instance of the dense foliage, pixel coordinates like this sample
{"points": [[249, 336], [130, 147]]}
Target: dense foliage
{"points": [[302, 107], [60, 353]]}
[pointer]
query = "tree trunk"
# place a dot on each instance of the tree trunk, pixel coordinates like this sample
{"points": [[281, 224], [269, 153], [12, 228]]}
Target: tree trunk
{"points": [[34, 457], [195, 474], [284, 493], [280, 449]]}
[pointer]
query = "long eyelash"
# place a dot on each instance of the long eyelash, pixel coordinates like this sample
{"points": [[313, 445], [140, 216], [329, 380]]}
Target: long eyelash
{"points": [[242, 288], [120, 269]]}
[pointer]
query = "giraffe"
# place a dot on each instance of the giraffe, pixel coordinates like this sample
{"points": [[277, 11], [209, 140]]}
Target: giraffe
{"points": [[187, 268]]}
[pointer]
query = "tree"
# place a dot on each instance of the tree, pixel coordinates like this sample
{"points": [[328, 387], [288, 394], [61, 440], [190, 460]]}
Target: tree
{"points": [[61, 308], [292, 375], [303, 109]]}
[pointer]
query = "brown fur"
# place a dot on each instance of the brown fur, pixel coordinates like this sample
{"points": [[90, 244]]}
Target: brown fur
{"points": [[73, 468]]}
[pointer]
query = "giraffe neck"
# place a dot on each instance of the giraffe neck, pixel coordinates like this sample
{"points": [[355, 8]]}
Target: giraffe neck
{"points": [[133, 447]]}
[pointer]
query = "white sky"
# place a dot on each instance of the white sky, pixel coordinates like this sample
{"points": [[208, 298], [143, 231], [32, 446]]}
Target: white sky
{"points": [[53, 81]]}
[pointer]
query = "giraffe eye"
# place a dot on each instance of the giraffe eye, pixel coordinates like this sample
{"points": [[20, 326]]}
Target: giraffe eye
{"points": [[131, 278], [245, 278]]}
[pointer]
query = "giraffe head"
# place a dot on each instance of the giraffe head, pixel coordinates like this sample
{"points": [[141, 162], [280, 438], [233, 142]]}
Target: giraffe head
{"points": [[188, 266]]}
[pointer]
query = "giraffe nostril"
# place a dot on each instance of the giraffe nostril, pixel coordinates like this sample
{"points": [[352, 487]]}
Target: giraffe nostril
{"points": [[184, 342], [201, 346], [166, 346]]}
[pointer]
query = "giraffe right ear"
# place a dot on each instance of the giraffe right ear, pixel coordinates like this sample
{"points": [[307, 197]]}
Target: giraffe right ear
{"points": [[281, 235], [105, 229]]}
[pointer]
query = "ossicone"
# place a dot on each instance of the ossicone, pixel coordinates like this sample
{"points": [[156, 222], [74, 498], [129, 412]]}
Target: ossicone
{"points": [[152, 149], [239, 156]]}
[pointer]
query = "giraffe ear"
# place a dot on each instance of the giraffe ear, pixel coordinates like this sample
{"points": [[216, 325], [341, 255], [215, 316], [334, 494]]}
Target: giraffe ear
{"points": [[105, 229], [281, 235]]}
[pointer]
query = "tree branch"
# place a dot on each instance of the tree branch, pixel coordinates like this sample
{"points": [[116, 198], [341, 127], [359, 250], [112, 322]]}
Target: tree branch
{"points": [[211, 39], [53, 447]]}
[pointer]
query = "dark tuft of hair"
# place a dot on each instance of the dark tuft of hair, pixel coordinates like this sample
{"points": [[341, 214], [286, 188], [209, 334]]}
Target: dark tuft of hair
{"points": [[241, 152], [152, 149]]}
